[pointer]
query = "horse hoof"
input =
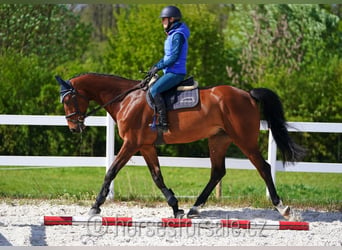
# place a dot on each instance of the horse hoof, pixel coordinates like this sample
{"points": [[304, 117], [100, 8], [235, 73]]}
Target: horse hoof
{"points": [[94, 211], [284, 210], [179, 214], [193, 213]]}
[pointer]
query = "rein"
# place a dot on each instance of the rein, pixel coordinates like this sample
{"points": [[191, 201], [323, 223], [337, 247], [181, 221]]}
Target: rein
{"points": [[142, 85], [117, 98]]}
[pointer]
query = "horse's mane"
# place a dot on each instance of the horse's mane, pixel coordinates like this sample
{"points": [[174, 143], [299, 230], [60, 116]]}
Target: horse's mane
{"points": [[100, 74], [120, 77]]}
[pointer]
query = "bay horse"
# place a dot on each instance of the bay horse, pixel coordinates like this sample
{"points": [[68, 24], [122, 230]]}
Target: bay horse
{"points": [[224, 115]]}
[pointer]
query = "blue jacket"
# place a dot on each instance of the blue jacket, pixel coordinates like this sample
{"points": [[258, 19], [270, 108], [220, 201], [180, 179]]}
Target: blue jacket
{"points": [[175, 50]]}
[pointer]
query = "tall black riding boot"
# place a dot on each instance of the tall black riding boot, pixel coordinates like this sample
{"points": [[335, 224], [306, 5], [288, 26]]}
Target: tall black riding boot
{"points": [[161, 109]]}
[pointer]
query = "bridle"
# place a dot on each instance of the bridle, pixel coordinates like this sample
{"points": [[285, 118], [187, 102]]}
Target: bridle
{"points": [[79, 121], [82, 115]]}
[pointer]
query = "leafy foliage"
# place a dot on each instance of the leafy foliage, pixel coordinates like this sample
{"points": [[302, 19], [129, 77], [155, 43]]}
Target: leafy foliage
{"points": [[135, 46], [273, 36], [294, 50], [50, 31], [33, 40]]}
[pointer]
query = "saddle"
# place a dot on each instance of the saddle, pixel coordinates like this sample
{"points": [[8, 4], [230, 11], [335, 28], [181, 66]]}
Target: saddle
{"points": [[185, 95]]}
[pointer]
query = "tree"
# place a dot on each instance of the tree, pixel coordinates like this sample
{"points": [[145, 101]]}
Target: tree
{"points": [[53, 32], [33, 40], [265, 37], [102, 19], [296, 51]]}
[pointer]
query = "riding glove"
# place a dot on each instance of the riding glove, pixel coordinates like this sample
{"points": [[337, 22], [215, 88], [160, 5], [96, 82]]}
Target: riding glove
{"points": [[152, 71]]}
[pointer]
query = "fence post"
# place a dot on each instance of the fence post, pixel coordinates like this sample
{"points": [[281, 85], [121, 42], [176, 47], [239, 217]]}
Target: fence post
{"points": [[110, 141], [218, 193], [272, 157]]}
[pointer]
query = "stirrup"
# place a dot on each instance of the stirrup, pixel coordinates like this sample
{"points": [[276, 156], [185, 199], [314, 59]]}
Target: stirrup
{"points": [[163, 127], [153, 125]]}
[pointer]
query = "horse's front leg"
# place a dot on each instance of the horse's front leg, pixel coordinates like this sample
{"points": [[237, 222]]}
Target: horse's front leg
{"points": [[150, 155], [126, 151]]}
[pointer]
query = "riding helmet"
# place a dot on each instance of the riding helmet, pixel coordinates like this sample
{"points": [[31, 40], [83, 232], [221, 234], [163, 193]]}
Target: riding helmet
{"points": [[171, 11]]}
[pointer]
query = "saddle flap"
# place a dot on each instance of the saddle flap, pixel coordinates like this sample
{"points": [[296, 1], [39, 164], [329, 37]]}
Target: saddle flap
{"points": [[181, 99], [177, 99]]}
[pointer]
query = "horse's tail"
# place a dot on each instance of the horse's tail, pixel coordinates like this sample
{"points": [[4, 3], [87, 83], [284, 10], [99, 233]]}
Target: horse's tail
{"points": [[274, 115]]}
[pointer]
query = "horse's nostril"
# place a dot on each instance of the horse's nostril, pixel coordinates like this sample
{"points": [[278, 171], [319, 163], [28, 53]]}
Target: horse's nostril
{"points": [[73, 130]]}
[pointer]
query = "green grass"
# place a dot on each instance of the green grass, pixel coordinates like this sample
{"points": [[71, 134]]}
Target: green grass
{"points": [[239, 187]]}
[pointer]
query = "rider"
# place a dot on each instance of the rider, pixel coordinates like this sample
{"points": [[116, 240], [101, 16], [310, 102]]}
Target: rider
{"points": [[173, 63]]}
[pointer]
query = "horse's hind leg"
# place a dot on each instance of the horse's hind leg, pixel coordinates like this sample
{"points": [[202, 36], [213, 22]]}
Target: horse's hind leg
{"points": [[150, 155], [264, 170], [218, 145]]}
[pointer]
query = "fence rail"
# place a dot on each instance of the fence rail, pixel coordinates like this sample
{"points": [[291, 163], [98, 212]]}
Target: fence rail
{"points": [[107, 121]]}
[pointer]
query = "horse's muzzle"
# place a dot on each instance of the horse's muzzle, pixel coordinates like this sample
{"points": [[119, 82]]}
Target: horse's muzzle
{"points": [[78, 129]]}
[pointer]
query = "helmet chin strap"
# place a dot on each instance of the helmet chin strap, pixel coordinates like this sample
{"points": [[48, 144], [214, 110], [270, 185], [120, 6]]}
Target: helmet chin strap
{"points": [[169, 25]]}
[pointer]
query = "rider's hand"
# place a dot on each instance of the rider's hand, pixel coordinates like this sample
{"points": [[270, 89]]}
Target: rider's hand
{"points": [[152, 71]]}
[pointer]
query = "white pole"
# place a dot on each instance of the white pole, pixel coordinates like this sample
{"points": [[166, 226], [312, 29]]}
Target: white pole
{"points": [[272, 157], [110, 141]]}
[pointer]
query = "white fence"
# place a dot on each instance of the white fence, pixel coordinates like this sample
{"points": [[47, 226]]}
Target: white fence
{"points": [[66, 161]]}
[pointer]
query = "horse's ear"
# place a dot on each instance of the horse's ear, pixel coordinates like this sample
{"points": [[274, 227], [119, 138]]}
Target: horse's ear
{"points": [[64, 84]]}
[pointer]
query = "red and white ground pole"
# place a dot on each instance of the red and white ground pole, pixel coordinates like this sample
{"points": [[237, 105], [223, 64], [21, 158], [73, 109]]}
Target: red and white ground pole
{"points": [[172, 222]]}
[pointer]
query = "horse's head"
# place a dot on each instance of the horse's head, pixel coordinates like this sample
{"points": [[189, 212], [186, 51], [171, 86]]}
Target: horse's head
{"points": [[75, 105]]}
